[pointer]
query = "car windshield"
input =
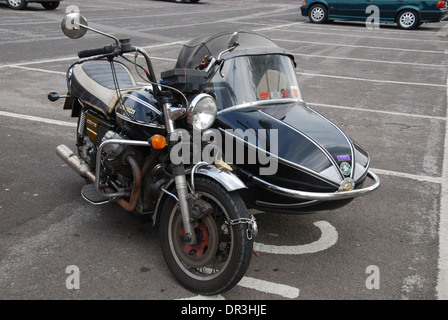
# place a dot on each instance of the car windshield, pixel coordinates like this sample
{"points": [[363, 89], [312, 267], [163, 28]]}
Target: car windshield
{"points": [[246, 79]]}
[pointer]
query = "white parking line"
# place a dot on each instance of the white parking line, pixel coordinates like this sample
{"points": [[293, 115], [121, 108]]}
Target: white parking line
{"points": [[413, 115], [442, 279], [365, 35], [372, 80], [74, 58], [363, 47], [259, 285], [269, 287], [37, 119], [421, 178], [372, 60], [37, 69], [329, 237], [362, 29]]}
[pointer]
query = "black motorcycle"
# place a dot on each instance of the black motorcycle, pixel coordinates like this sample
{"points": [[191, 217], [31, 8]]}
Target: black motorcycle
{"points": [[224, 131]]}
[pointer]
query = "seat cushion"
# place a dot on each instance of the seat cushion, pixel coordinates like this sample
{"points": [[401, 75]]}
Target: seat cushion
{"points": [[93, 83]]}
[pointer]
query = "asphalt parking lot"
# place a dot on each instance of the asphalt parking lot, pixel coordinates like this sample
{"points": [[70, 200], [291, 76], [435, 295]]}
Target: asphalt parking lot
{"points": [[386, 88]]}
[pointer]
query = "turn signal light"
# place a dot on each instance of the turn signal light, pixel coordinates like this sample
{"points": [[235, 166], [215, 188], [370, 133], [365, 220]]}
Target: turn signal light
{"points": [[304, 3], [440, 4], [158, 141]]}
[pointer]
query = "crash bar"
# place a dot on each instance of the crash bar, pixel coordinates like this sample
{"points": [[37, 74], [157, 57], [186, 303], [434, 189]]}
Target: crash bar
{"points": [[323, 196]]}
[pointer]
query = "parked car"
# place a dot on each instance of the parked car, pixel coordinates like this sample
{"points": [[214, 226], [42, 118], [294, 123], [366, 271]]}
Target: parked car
{"points": [[407, 14], [21, 4]]}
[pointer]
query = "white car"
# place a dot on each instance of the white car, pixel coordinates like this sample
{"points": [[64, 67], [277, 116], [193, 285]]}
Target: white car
{"points": [[21, 4]]}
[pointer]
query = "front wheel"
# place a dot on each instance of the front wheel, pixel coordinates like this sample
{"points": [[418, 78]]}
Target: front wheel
{"points": [[17, 4], [318, 14], [408, 19], [222, 254]]}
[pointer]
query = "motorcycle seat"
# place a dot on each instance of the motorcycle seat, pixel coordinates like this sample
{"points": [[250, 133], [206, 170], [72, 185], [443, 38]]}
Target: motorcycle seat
{"points": [[93, 83]]}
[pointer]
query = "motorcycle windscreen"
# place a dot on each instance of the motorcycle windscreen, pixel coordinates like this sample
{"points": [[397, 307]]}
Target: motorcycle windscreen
{"points": [[252, 78]]}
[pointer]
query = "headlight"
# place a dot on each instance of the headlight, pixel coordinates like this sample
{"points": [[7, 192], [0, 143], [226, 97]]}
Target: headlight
{"points": [[202, 112]]}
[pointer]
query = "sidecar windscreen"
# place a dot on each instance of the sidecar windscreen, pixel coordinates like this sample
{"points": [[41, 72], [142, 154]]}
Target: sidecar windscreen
{"points": [[251, 78], [194, 51]]}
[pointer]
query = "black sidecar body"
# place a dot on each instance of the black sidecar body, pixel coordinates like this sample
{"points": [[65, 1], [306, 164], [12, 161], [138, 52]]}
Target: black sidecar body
{"points": [[291, 158]]}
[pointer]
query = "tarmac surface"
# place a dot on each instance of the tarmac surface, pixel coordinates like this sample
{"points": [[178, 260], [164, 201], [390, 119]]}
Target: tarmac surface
{"points": [[386, 88]]}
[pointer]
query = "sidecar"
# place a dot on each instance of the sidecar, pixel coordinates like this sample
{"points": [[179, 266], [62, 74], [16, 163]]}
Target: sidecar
{"points": [[291, 158]]}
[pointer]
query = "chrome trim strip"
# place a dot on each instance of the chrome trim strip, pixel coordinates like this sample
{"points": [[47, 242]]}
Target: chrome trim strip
{"points": [[146, 104], [256, 104], [148, 124], [350, 142], [285, 206], [287, 162], [317, 144], [324, 196]]}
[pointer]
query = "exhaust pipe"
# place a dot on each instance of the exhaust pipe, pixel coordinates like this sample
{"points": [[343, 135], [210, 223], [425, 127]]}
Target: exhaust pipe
{"points": [[66, 154]]}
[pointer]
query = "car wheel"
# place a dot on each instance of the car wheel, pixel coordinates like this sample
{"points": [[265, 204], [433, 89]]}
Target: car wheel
{"points": [[408, 19], [318, 14], [17, 4], [50, 5]]}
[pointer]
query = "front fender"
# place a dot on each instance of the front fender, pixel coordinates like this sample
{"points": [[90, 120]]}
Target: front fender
{"points": [[224, 177], [305, 9], [407, 7]]}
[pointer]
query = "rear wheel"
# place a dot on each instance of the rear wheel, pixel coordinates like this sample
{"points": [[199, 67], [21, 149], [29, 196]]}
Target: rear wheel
{"points": [[222, 254], [408, 19], [17, 4], [50, 5], [318, 14]]}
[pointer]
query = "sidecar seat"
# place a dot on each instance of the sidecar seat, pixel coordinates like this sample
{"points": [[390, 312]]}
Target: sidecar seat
{"points": [[272, 81], [93, 83]]}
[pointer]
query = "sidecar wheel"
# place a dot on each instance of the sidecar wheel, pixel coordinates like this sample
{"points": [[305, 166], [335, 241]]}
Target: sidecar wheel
{"points": [[17, 4], [223, 251]]}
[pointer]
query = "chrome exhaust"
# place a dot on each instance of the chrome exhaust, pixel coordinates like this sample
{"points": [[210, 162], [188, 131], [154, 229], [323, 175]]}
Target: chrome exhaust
{"points": [[66, 154]]}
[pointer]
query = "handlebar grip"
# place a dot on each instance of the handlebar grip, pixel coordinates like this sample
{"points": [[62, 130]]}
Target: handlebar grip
{"points": [[94, 52]]}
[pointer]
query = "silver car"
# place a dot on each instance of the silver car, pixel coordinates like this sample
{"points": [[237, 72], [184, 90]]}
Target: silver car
{"points": [[21, 4]]}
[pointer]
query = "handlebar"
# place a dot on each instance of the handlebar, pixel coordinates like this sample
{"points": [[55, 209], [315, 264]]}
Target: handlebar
{"points": [[95, 52], [125, 46]]}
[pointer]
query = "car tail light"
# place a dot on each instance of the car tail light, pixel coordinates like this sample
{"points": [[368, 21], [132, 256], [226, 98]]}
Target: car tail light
{"points": [[440, 4]]}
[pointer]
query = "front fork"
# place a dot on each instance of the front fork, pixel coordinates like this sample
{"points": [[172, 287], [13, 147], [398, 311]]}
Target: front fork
{"points": [[172, 113]]}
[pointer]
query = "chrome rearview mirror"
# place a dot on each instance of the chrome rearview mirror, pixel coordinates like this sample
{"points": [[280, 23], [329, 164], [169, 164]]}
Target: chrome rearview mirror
{"points": [[74, 25], [233, 42]]}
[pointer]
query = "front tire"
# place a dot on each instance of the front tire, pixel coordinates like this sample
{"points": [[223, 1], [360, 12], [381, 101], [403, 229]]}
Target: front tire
{"points": [[408, 19], [17, 4], [318, 14], [50, 5], [223, 251]]}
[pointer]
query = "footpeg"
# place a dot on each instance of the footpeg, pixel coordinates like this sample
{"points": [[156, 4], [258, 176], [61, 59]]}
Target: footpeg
{"points": [[90, 194]]}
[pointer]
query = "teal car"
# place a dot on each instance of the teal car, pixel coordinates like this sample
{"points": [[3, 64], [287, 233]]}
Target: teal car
{"points": [[407, 14]]}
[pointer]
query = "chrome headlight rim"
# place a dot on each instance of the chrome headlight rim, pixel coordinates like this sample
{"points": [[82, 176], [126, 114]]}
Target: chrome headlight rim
{"points": [[203, 106]]}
